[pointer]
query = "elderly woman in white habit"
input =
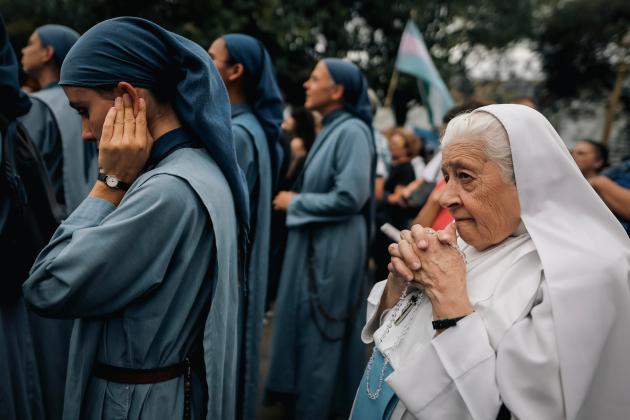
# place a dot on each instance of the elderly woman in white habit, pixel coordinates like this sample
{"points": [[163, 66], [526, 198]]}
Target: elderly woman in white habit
{"points": [[521, 307]]}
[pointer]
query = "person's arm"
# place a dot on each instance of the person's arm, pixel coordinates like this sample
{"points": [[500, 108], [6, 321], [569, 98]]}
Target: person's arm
{"points": [[103, 257], [459, 375], [351, 188], [616, 197]]}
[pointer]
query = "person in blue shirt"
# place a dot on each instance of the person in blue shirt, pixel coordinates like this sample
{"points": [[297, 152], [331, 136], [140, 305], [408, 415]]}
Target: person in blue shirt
{"points": [[316, 352], [257, 106]]}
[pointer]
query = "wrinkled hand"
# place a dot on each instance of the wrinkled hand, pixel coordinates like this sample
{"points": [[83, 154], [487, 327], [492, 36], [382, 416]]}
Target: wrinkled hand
{"points": [[125, 142], [430, 259], [283, 199]]}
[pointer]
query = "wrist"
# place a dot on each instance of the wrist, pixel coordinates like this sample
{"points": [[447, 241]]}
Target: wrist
{"points": [[102, 191], [113, 181], [451, 308]]}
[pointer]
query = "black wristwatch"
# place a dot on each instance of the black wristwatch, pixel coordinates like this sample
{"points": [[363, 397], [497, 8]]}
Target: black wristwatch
{"points": [[442, 324], [112, 182]]}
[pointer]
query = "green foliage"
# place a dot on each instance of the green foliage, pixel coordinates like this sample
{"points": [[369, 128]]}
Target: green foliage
{"points": [[575, 42], [299, 32]]}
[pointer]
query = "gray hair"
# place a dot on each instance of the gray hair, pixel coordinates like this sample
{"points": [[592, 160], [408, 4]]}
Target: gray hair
{"points": [[487, 129]]}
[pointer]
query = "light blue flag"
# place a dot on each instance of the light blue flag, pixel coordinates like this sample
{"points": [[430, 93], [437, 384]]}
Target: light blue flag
{"points": [[414, 58]]}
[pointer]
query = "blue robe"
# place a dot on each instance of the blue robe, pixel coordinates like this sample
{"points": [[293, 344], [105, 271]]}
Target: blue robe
{"points": [[317, 359], [56, 129], [20, 392], [50, 338], [140, 277], [253, 157]]}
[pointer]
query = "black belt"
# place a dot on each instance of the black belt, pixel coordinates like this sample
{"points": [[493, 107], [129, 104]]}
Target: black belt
{"points": [[148, 376], [139, 376]]}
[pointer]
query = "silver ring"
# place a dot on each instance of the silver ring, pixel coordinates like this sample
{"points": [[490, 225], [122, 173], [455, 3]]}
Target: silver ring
{"points": [[430, 231]]}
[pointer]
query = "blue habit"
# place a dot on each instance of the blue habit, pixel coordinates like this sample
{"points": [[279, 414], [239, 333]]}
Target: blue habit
{"points": [[20, 392], [154, 296], [253, 156], [155, 277], [256, 128], [316, 351]]}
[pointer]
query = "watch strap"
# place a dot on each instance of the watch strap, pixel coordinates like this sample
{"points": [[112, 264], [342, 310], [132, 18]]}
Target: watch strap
{"points": [[441, 324], [120, 185]]}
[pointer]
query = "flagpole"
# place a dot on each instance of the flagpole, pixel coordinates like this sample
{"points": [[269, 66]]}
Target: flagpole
{"points": [[425, 102], [393, 82]]}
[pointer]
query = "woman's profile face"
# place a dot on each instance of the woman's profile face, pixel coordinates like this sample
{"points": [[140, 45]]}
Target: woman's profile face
{"points": [[92, 106], [586, 158], [485, 207]]}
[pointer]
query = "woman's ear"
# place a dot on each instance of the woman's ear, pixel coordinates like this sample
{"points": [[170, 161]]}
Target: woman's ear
{"points": [[49, 54], [134, 93], [236, 72], [337, 93]]}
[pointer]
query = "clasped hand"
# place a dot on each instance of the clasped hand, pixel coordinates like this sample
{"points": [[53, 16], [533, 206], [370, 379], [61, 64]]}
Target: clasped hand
{"points": [[282, 200], [125, 141], [432, 260]]}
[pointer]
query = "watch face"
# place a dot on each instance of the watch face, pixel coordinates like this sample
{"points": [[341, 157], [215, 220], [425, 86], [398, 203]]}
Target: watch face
{"points": [[111, 181]]}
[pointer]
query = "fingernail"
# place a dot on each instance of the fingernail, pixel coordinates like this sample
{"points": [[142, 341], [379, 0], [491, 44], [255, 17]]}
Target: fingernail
{"points": [[409, 278]]}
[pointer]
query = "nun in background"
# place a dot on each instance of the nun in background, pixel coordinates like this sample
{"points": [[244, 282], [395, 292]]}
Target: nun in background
{"points": [[525, 315], [53, 125], [316, 353], [257, 106], [148, 263]]}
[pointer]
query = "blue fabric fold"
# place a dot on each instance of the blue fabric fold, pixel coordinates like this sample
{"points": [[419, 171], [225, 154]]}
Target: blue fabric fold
{"points": [[148, 56], [381, 407]]}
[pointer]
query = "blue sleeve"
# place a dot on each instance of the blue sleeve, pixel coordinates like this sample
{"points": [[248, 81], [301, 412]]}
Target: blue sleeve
{"points": [[352, 183], [102, 257]]}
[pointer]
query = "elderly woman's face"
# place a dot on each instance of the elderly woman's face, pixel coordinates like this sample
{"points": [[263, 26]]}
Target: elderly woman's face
{"points": [[485, 207]]}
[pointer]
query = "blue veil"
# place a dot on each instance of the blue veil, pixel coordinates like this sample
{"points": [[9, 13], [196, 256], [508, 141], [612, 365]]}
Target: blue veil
{"points": [[355, 88], [262, 88], [146, 55], [60, 37]]}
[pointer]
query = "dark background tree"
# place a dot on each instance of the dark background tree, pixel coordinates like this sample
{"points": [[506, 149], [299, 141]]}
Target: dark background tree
{"points": [[576, 41]]}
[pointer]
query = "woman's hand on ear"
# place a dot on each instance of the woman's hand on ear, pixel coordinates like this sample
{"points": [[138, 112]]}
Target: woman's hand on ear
{"points": [[125, 142]]}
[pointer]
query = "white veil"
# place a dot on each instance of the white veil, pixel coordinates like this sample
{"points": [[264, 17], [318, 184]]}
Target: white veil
{"points": [[585, 254]]}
